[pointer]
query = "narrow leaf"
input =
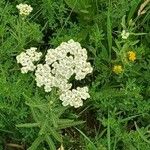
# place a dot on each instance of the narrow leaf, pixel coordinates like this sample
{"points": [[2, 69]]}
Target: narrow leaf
{"points": [[67, 125], [50, 143], [133, 9], [28, 125], [64, 121], [55, 134], [109, 31], [36, 143], [141, 135], [88, 140], [108, 134]]}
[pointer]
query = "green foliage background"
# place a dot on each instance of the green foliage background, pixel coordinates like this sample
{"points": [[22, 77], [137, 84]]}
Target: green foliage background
{"points": [[116, 117]]}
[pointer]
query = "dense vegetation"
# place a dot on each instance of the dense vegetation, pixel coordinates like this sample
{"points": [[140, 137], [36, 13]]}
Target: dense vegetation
{"points": [[117, 114]]}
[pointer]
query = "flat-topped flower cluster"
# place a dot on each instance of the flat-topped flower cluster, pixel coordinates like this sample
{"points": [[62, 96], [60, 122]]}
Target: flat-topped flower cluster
{"points": [[67, 60], [24, 9], [27, 59]]}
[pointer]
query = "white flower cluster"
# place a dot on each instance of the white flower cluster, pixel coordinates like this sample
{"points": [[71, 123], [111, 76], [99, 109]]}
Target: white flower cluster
{"points": [[24, 9], [125, 34], [69, 58], [62, 63], [27, 58], [45, 77], [75, 97]]}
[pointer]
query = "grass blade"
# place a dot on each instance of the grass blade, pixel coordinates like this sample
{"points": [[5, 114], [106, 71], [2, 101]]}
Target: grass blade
{"points": [[109, 31], [93, 146]]}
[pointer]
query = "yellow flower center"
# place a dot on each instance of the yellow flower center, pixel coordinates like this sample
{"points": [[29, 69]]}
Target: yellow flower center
{"points": [[117, 69], [131, 56]]}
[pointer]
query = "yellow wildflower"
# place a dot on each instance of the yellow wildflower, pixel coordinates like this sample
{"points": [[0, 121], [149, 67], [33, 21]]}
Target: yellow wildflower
{"points": [[117, 69], [131, 56]]}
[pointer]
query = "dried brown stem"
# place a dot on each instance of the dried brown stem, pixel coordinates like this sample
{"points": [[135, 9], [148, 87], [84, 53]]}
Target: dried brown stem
{"points": [[142, 10], [15, 146]]}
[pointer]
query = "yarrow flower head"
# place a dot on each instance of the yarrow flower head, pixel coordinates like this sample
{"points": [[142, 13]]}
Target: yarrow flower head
{"points": [[117, 69], [61, 64], [24, 9], [125, 34], [75, 97], [27, 58], [131, 56], [68, 60]]}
